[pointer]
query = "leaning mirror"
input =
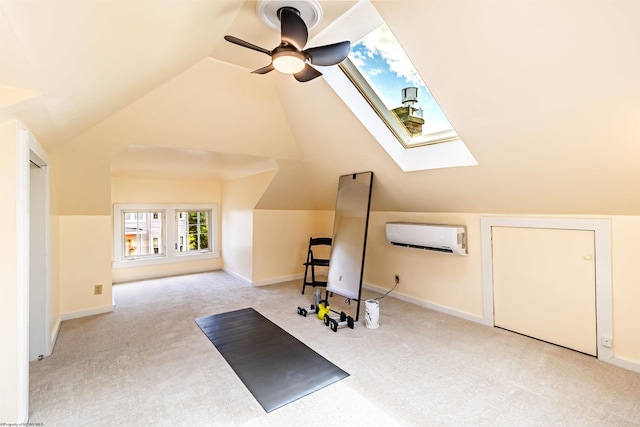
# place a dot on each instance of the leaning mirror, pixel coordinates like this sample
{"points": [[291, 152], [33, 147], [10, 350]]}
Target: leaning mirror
{"points": [[350, 235]]}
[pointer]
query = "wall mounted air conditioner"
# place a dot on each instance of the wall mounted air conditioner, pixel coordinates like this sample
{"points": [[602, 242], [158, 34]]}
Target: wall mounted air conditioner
{"points": [[442, 238]]}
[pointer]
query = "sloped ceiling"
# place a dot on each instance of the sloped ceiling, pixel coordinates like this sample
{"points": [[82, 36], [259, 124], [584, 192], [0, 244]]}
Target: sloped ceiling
{"points": [[546, 95]]}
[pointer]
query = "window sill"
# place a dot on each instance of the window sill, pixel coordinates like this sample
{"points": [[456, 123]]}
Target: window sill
{"points": [[177, 258]]}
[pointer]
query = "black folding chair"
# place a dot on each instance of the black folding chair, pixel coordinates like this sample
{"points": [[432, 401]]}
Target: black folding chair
{"points": [[313, 262]]}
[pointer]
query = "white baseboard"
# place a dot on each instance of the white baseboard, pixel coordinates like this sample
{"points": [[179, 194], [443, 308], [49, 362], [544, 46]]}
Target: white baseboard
{"points": [[89, 312], [279, 280], [616, 361], [162, 275], [622, 363], [236, 275], [266, 281], [426, 304], [54, 333]]}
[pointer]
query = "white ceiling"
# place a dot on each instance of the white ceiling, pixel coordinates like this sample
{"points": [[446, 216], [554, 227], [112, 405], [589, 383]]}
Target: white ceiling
{"points": [[546, 96]]}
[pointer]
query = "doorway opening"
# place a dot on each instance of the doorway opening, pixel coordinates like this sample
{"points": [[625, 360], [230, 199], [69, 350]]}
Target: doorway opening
{"points": [[40, 340]]}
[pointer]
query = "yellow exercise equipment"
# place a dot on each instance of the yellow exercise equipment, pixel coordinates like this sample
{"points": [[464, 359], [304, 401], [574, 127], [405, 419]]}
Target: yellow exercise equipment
{"points": [[322, 310]]}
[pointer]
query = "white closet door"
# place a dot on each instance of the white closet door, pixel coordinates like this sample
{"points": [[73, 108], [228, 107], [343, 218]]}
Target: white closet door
{"points": [[544, 285]]}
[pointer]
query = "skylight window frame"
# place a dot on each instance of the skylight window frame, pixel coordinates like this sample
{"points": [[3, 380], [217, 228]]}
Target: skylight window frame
{"points": [[393, 122], [389, 119], [361, 19]]}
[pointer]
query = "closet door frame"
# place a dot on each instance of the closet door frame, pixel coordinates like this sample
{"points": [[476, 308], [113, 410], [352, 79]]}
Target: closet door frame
{"points": [[602, 231]]}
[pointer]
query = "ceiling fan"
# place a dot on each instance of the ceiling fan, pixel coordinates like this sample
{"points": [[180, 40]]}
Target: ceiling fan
{"points": [[290, 57]]}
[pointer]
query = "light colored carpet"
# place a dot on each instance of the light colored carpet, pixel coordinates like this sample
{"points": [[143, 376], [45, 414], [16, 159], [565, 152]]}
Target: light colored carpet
{"points": [[148, 363]]}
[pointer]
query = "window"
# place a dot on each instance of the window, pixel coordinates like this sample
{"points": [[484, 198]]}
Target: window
{"points": [[134, 216], [437, 145], [384, 74], [142, 234], [155, 234], [193, 226]]}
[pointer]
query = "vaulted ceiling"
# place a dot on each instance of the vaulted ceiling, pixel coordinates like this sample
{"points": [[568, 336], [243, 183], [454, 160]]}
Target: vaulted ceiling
{"points": [[546, 96]]}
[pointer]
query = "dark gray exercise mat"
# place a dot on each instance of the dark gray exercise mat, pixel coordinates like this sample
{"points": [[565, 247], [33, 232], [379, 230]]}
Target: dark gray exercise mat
{"points": [[276, 367]]}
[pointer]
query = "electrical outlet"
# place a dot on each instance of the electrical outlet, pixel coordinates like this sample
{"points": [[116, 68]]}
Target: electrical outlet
{"points": [[97, 289]]}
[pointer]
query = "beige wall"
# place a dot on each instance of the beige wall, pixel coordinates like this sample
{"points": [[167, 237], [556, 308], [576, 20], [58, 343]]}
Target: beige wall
{"points": [[84, 261], [81, 231], [266, 246], [455, 282], [122, 275], [442, 279], [166, 191], [281, 239], [239, 197], [136, 190], [81, 179], [625, 235]]}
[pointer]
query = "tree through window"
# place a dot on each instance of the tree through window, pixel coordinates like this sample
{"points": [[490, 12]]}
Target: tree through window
{"points": [[193, 231]]}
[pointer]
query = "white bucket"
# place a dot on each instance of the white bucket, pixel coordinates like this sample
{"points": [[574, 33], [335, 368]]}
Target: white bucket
{"points": [[371, 313]]}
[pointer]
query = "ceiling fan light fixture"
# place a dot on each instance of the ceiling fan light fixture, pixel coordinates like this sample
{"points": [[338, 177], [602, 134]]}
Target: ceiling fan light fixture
{"points": [[289, 62], [291, 57]]}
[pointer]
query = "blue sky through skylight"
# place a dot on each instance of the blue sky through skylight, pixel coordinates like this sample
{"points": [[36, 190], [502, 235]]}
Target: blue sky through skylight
{"points": [[387, 68]]}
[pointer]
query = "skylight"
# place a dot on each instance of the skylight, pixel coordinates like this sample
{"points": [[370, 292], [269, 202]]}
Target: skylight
{"points": [[437, 145], [385, 76]]}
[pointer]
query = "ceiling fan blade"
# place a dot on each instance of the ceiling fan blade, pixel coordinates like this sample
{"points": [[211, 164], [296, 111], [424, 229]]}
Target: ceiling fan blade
{"points": [[243, 43], [292, 28], [330, 54], [307, 73], [264, 70]]}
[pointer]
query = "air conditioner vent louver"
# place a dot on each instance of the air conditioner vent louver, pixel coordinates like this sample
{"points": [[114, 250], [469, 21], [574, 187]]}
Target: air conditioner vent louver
{"points": [[432, 237]]}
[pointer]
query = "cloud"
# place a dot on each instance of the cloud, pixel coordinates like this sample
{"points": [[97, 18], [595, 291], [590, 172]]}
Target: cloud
{"points": [[357, 57], [360, 60], [381, 41]]}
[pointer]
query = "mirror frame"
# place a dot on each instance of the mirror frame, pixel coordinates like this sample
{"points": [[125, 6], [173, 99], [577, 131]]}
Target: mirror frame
{"points": [[349, 263]]}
